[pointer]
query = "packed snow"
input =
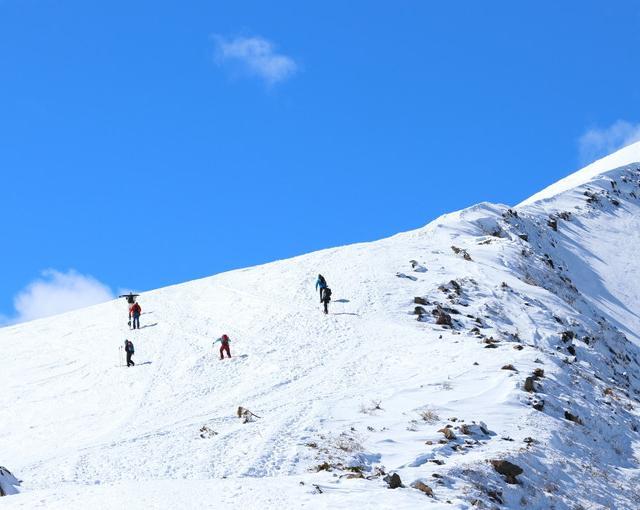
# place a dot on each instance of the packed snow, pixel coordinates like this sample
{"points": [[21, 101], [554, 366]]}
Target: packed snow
{"points": [[492, 334]]}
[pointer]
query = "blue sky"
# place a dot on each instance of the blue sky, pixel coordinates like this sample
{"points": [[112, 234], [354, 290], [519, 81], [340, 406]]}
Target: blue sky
{"points": [[149, 143]]}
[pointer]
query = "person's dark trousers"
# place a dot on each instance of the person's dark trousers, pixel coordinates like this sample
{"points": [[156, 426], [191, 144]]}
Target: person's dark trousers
{"points": [[130, 362], [224, 348], [136, 321], [326, 305], [321, 291]]}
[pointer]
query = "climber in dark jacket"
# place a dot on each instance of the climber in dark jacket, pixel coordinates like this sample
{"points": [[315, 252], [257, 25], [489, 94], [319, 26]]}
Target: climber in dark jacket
{"points": [[326, 297], [128, 347], [322, 284]]}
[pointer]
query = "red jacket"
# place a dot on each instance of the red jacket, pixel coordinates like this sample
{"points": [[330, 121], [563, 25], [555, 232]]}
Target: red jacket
{"points": [[135, 309]]}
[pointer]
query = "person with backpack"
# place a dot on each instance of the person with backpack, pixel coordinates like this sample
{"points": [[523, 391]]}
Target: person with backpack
{"points": [[128, 347], [326, 297], [321, 283], [134, 315], [224, 347]]}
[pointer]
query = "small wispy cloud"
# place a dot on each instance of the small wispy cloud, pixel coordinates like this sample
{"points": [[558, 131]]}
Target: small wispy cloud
{"points": [[57, 292], [256, 56], [599, 142]]}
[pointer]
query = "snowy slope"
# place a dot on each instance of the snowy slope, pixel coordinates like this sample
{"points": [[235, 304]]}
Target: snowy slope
{"points": [[548, 285]]}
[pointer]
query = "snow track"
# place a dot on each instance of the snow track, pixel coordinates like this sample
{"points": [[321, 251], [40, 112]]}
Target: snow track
{"points": [[365, 388]]}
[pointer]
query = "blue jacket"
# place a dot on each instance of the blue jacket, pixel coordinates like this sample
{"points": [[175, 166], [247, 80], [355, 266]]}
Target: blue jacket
{"points": [[321, 284]]}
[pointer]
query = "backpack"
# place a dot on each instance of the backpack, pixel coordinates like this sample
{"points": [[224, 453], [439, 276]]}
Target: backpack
{"points": [[327, 294]]}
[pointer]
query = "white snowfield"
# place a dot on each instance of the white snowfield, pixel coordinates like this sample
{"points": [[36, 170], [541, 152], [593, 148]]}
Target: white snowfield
{"points": [[376, 387]]}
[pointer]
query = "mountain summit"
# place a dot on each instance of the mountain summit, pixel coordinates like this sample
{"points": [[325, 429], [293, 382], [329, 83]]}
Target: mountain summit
{"points": [[488, 359]]}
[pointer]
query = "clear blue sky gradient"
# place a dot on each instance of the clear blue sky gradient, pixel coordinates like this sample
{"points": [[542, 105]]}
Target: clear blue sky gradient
{"points": [[128, 154]]}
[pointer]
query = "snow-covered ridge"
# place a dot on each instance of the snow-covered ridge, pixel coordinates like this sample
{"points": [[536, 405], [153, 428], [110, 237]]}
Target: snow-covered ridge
{"points": [[626, 156], [492, 334]]}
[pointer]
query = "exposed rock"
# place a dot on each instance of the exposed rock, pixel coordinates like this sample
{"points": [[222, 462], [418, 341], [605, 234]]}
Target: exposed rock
{"points": [[423, 487], [417, 267], [518, 347], [393, 481], [418, 310], [442, 317], [420, 301], [572, 350], [448, 433], [524, 237], [325, 466], [553, 223], [507, 469], [568, 336], [509, 367], [460, 251], [538, 373], [528, 384], [572, 417]]}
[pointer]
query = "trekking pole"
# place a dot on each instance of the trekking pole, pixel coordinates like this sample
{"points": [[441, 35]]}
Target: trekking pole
{"points": [[120, 356]]}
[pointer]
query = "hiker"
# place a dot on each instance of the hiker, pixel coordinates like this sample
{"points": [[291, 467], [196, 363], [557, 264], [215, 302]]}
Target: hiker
{"points": [[326, 297], [322, 284], [134, 315], [224, 340], [128, 347]]}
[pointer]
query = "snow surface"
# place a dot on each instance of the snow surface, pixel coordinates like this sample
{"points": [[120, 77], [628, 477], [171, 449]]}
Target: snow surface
{"points": [[365, 389]]}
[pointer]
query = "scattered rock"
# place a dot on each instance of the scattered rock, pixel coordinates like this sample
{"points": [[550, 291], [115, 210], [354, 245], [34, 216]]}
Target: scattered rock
{"points": [[538, 373], [509, 367], [529, 385], [206, 432], [571, 350], [567, 336], [529, 440], [524, 237], [460, 251], [553, 223], [325, 466], [418, 268], [491, 346], [421, 301], [423, 487], [572, 417], [518, 347], [408, 277], [439, 462], [538, 405], [495, 495], [245, 415], [393, 481], [442, 317], [418, 310], [509, 470], [448, 433]]}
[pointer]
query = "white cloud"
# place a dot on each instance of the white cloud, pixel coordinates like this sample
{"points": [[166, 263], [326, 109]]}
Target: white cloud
{"points": [[57, 292], [257, 56], [599, 142]]}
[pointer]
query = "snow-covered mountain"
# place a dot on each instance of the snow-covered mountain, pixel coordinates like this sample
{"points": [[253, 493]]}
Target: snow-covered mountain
{"points": [[490, 359]]}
